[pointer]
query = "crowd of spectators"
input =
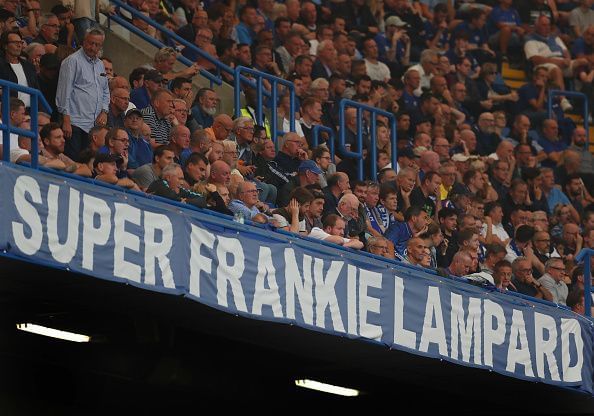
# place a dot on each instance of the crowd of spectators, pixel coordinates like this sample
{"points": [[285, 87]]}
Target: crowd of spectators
{"points": [[487, 185]]}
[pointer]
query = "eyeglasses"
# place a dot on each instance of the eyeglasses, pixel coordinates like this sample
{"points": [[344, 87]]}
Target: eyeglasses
{"points": [[561, 269]]}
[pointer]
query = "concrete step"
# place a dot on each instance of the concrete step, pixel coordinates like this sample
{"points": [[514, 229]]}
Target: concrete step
{"points": [[510, 73]]}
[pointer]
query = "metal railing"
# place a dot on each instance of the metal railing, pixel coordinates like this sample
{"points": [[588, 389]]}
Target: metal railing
{"points": [[315, 138], [572, 94], [585, 255], [373, 112], [36, 98], [260, 93]]}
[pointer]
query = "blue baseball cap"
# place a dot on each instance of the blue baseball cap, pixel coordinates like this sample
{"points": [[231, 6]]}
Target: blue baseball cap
{"points": [[311, 166]]}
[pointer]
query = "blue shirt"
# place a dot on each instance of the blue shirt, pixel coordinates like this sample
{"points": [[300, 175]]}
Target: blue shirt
{"points": [[399, 233], [82, 91], [580, 47], [140, 97], [548, 147], [556, 197], [475, 36], [139, 151], [244, 34], [203, 119], [431, 31], [509, 17], [238, 206]]}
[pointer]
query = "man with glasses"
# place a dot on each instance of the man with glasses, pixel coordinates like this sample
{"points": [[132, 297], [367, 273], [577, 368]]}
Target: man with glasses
{"points": [[15, 69], [49, 29], [426, 69], [553, 280], [119, 100], [139, 151], [525, 283], [246, 200], [153, 81], [379, 246], [487, 139]]}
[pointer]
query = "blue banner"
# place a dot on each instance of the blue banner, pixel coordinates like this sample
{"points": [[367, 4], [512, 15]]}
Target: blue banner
{"points": [[103, 232]]}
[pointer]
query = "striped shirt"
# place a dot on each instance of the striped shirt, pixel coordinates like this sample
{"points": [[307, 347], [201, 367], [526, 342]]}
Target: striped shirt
{"points": [[160, 127]]}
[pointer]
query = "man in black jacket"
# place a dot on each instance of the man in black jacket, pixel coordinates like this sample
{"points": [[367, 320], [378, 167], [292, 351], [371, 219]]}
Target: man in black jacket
{"points": [[15, 69]]}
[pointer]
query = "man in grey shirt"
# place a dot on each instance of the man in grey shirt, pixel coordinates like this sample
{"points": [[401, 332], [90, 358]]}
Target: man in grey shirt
{"points": [[147, 174], [553, 280]]}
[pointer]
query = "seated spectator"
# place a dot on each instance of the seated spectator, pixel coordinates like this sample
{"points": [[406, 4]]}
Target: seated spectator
{"points": [[307, 174], [152, 81], [170, 187], [146, 174], [552, 280], [246, 200], [502, 275], [554, 195], [348, 209], [53, 141], [524, 283], [493, 230], [415, 223], [195, 168], [460, 265], [105, 170], [205, 107], [495, 254], [248, 20], [427, 196], [159, 116], [570, 243], [505, 28], [581, 17], [575, 301], [139, 148], [543, 48], [222, 126], [119, 100], [333, 232], [116, 143], [291, 153], [292, 217], [543, 250], [321, 156], [417, 252], [380, 246]]}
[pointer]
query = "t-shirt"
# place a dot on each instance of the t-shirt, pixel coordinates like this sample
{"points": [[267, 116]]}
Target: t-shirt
{"points": [[581, 19], [22, 80], [377, 71], [509, 17], [320, 234]]}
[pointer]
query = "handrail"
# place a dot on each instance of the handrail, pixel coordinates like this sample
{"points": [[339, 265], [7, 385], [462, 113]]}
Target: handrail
{"points": [[33, 111], [260, 92], [574, 94], [315, 138], [372, 135], [586, 254]]}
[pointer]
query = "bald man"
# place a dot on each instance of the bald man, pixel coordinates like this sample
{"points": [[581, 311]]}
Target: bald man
{"points": [[220, 173], [118, 105], [222, 126]]}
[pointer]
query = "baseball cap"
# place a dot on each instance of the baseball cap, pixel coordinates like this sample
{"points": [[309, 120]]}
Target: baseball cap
{"points": [[153, 75], [133, 111], [395, 21], [311, 166], [460, 157]]}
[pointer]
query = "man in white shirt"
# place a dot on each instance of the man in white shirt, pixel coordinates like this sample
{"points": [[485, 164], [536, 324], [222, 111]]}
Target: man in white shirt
{"points": [[333, 232], [377, 71], [426, 68], [553, 280]]}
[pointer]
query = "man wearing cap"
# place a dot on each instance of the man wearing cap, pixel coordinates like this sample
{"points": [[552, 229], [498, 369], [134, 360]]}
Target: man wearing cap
{"points": [[82, 96], [15, 69], [139, 150], [308, 173], [141, 96], [105, 170]]}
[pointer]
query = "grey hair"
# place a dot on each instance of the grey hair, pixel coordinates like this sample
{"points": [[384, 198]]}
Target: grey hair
{"points": [[94, 31], [240, 122], [43, 19], [164, 54], [516, 263], [31, 47], [551, 262], [169, 169]]}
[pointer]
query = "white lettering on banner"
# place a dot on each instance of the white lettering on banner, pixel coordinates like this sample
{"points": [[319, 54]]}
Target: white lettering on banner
{"points": [[402, 336], [28, 245], [570, 328], [466, 330], [266, 277], [296, 284], [517, 336], [369, 304], [123, 240], [478, 327], [63, 253], [433, 334], [325, 293], [230, 273], [352, 299], [157, 250], [198, 263], [94, 236], [545, 347], [494, 330]]}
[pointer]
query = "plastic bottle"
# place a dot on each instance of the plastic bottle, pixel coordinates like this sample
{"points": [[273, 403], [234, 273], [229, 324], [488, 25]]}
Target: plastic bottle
{"points": [[238, 217]]}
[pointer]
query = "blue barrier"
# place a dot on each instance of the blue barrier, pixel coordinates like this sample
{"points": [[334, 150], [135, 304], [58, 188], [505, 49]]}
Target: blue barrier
{"points": [[360, 107], [260, 92], [585, 255], [5, 126], [585, 114], [315, 138]]}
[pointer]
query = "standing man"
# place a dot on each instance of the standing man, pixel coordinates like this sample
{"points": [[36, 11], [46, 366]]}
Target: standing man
{"points": [[13, 68], [83, 93]]}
